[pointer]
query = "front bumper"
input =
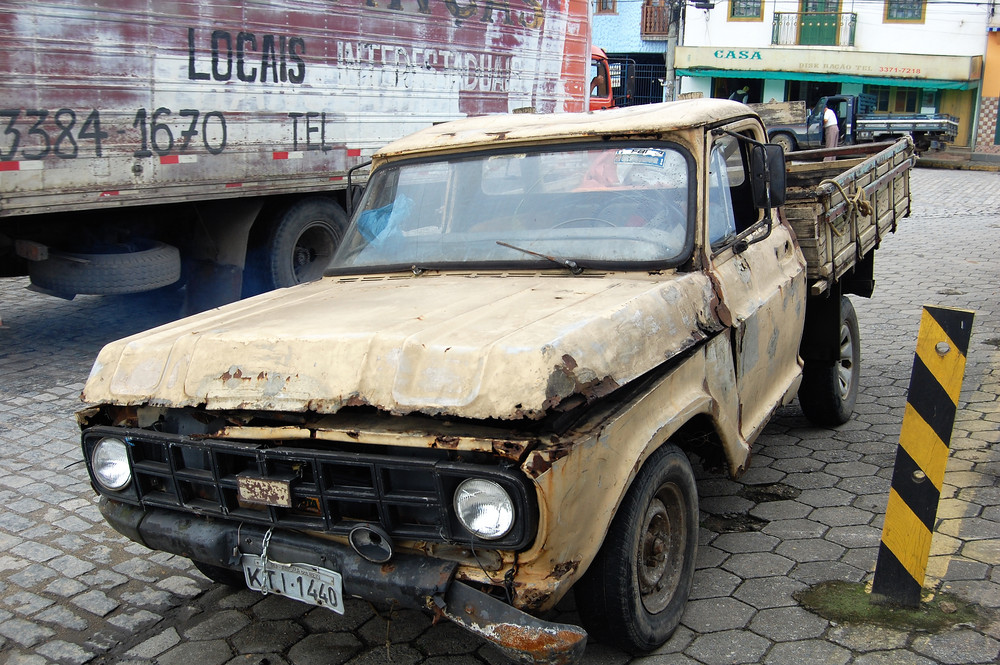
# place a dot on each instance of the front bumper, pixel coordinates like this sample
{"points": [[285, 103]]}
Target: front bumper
{"points": [[408, 580]]}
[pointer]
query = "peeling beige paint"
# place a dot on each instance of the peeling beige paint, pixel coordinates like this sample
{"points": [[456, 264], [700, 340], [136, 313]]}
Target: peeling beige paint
{"points": [[502, 345]]}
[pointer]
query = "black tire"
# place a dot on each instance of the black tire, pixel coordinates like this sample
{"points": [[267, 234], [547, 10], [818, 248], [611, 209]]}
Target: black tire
{"points": [[138, 267], [786, 141], [303, 241], [829, 390], [220, 575], [634, 593]]}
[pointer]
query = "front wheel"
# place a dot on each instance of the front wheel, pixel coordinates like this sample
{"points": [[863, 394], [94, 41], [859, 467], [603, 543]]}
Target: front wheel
{"points": [[634, 593], [829, 390]]}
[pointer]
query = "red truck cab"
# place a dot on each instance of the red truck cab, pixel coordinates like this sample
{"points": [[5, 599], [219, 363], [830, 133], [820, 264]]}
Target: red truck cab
{"points": [[601, 96]]}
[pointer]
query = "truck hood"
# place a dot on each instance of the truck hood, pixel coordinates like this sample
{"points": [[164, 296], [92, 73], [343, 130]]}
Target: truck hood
{"points": [[479, 346]]}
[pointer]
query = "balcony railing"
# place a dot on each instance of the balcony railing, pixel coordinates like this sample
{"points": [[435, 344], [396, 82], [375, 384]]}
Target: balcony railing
{"points": [[814, 28], [656, 21]]}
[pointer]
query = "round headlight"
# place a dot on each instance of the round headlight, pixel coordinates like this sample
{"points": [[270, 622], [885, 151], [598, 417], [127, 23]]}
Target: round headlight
{"points": [[484, 508], [110, 463]]}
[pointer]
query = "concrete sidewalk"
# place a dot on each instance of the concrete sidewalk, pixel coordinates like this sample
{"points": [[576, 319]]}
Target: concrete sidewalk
{"points": [[957, 158]]}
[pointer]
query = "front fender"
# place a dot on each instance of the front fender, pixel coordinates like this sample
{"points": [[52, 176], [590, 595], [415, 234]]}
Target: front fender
{"points": [[581, 484]]}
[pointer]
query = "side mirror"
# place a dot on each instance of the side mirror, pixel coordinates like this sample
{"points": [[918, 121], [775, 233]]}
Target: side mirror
{"points": [[355, 191], [767, 173]]}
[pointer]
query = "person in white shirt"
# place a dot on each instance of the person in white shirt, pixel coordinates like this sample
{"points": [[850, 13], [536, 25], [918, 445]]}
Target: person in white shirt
{"points": [[830, 130]]}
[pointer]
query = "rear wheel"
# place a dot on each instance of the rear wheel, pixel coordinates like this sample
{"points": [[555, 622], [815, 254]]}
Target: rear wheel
{"points": [[829, 390], [634, 593], [786, 142], [303, 241]]}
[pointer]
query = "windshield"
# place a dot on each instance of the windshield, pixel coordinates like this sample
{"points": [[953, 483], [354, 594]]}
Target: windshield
{"points": [[595, 208]]}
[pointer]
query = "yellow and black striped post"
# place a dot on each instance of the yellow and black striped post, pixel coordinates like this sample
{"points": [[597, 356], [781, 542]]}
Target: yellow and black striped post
{"points": [[931, 403]]}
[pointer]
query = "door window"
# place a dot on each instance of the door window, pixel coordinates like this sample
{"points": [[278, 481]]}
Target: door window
{"points": [[730, 202]]}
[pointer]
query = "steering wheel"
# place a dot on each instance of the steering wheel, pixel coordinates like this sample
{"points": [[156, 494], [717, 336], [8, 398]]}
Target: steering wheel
{"points": [[637, 210], [576, 220]]}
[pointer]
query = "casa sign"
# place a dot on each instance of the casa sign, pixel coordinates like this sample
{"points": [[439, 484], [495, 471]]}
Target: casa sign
{"points": [[822, 61]]}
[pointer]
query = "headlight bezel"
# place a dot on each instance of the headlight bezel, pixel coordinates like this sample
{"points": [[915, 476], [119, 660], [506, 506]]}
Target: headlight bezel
{"points": [[112, 450], [496, 497]]}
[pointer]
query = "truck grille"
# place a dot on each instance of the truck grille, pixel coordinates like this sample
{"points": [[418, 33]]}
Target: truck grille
{"points": [[331, 491]]}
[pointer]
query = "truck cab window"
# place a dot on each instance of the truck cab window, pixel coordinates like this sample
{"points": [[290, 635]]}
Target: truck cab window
{"points": [[730, 204], [721, 222]]}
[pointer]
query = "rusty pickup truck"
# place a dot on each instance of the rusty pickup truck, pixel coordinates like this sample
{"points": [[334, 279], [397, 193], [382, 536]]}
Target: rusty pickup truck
{"points": [[492, 396]]}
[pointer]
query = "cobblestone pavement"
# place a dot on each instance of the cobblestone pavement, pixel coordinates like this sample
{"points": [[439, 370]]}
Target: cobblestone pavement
{"points": [[72, 591]]}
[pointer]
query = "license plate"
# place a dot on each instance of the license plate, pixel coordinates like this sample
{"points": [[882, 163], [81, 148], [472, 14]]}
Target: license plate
{"points": [[301, 581], [265, 491]]}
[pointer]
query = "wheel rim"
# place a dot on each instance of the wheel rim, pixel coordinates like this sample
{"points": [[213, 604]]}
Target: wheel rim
{"points": [[661, 549], [845, 367], [783, 141], [313, 251]]}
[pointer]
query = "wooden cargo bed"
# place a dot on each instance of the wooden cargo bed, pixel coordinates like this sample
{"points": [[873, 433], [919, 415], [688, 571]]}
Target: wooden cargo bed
{"points": [[836, 231]]}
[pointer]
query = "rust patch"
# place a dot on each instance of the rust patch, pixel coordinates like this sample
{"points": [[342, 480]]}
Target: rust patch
{"points": [[84, 417], [354, 434], [596, 390], [558, 450], [542, 460], [564, 384], [512, 450], [529, 598], [238, 374], [449, 442], [355, 400], [538, 465], [539, 643], [125, 417], [264, 491], [561, 570], [720, 308]]}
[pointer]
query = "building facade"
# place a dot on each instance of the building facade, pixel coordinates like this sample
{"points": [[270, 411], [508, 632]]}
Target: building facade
{"points": [[913, 56], [640, 37], [988, 129]]}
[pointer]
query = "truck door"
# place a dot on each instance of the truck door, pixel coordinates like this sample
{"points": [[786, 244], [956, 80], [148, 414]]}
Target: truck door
{"points": [[814, 124], [761, 287]]}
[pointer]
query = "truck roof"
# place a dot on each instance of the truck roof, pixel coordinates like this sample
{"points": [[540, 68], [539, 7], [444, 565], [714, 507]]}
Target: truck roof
{"points": [[523, 128]]}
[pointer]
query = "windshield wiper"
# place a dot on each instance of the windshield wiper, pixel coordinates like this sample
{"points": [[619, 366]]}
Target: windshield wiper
{"points": [[572, 265]]}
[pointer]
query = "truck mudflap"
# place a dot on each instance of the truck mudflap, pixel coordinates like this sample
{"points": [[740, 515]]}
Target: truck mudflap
{"points": [[408, 580]]}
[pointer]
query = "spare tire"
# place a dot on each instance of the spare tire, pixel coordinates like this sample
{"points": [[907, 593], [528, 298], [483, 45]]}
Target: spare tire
{"points": [[132, 268]]}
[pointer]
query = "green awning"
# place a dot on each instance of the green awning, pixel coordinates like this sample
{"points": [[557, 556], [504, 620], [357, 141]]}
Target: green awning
{"points": [[938, 84]]}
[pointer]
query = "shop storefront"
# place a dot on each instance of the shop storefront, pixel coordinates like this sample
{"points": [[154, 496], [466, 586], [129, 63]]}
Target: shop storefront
{"points": [[902, 83]]}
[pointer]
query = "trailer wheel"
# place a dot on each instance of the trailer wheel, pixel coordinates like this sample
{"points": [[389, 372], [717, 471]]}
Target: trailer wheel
{"points": [[786, 141], [131, 268], [634, 593], [829, 390], [220, 575], [303, 241]]}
